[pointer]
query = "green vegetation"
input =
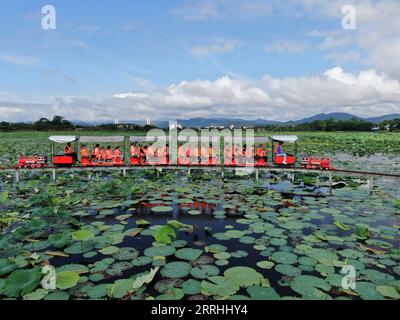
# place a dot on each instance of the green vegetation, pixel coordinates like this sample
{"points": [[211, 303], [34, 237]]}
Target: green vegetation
{"points": [[283, 242]]}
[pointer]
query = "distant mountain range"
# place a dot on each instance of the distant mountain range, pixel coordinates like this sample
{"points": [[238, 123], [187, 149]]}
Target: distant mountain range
{"points": [[226, 122]]}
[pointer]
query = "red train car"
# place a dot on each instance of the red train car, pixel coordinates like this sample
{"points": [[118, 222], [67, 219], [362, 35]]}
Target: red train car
{"points": [[116, 160], [278, 159], [60, 159]]}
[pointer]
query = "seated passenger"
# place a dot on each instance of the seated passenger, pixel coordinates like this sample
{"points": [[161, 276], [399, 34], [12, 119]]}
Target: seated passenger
{"points": [[102, 154], [117, 154], [228, 155], [109, 154], [135, 153], [84, 152], [279, 152], [182, 159], [68, 151], [96, 152]]}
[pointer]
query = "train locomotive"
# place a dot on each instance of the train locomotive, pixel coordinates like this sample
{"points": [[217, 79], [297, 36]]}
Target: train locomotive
{"points": [[32, 162]]}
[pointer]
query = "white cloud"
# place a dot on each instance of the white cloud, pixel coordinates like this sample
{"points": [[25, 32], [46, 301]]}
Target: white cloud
{"points": [[18, 60], [368, 93], [377, 31], [344, 57], [219, 46], [286, 46]]}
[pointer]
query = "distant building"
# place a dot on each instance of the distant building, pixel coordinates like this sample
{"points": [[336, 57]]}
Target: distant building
{"points": [[116, 122], [148, 122]]}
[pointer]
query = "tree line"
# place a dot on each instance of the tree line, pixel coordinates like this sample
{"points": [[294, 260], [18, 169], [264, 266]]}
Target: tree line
{"points": [[58, 123], [331, 125]]}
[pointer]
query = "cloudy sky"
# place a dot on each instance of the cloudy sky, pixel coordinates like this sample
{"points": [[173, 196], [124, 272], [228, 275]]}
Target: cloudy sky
{"points": [[167, 59]]}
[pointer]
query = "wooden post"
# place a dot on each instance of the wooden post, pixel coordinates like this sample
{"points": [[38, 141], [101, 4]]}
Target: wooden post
{"points": [[189, 172], [124, 172], [16, 176], [330, 183], [371, 185], [54, 174], [256, 174], [222, 173]]}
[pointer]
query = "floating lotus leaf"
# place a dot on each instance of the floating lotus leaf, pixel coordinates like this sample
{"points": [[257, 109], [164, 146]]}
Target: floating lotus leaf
{"points": [[142, 222], [67, 279], [287, 270], [83, 235], [107, 212], [308, 286], [165, 234], [376, 276], [215, 248], [262, 293], [126, 253], [367, 291], [191, 287], [239, 254], [172, 294], [234, 234], [159, 251], [6, 266], [21, 282], [221, 236], [57, 296], [222, 255], [120, 288], [278, 242], [219, 287], [109, 250], [162, 209], [96, 277], [243, 276], [176, 270], [221, 262], [118, 268], [204, 271], [102, 265], [38, 294], [163, 285], [265, 264], [247, 240], [194, 212], [188, 254], [179, 243], [284, 257], [78, 268], [59, 240], [145, 279], [350, 253], [98, 291], [307, 261], [141, 261]]}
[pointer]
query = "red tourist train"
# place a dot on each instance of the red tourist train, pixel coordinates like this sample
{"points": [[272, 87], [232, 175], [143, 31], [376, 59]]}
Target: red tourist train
{"points": [[32, 162], [154, 151]]}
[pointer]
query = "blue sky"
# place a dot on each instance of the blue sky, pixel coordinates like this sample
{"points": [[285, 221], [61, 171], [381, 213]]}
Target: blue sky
{"points": [[197, 57]]}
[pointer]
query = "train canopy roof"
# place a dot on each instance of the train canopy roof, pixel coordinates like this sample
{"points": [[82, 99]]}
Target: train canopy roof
{"points": [[199, 139], [63, 139], [102, 139], [285, 139]]}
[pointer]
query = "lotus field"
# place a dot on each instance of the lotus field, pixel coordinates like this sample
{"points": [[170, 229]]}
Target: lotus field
{"points": [[167, 235]]}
